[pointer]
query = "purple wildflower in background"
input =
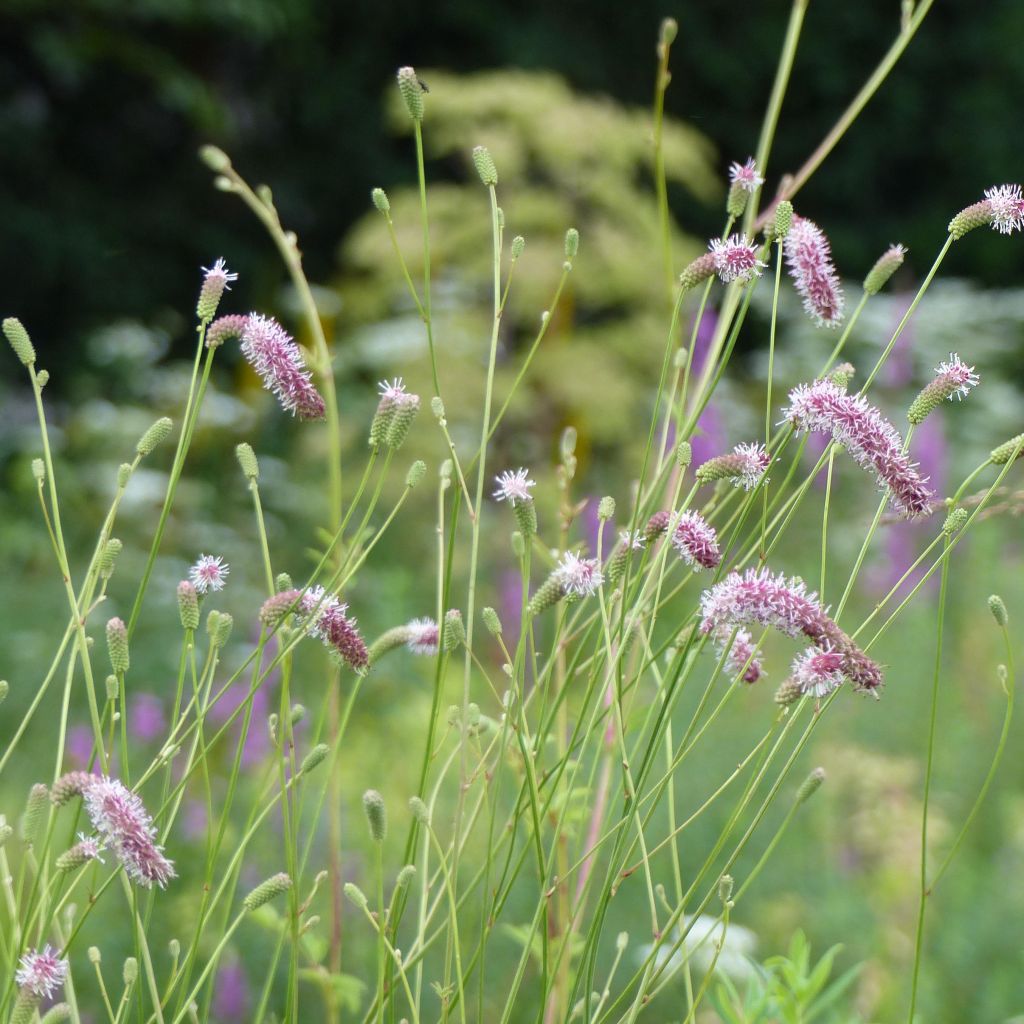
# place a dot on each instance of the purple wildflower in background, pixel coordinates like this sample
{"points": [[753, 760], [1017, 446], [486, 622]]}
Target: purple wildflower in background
{"points": [[514, 485], [580, 576], [126, 828], [735, 258], [818, 671], [273, 354], [423, 636], [696, 541], [231, 993], [809, 261], [41, 972], [745, 176], [210, 572], [760, 598], [146, 717], [867, 435]]}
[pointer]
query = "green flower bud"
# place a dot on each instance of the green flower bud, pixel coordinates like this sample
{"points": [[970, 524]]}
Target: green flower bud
{"points": [[572, 243], [606, 508], [412, 92], [783, 219], [788, 693], [525, 512], [518, 245], [810, 785], [5, 833], [5, 688], [39, 470], [454, 633], [684, 454], [548, 593], [977, 215], [955, 521], [156, 434], [130, 971], [188, 605], [35, 810], [888, 263], [218, 627], [247, 461], [725, 884], [267, 890], [15, 333], [485, 167], [298, 713], [998, 610], [419, 809], [283, 582], [108, 557], [380, 200], [42, 379], [113, 687], [491, 621], [1008, 450], [117, 645], [437, 407], [56, 1014], [376, 815], [314, 758], [124, 473], [355, 895], [214, 158]]}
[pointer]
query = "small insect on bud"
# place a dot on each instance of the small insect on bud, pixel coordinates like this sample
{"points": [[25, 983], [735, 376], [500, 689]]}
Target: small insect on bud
{"points": [[117, 645], [376, 815], [518, 245], [491, 621], [108, 557], [113, 687], [606, 508], [998, 610], [130, 971], [888, 263], [35, 810], [955, 521], [355, 895], [411, 91], [810, 785], [415, 474], [39, 470], [454, 635], [684, 454], [315, 757], [214, 158], [267, 890], [485, 167], [1008, 450], [380, 200], [157, 433], [783, 219], [572, 243], [247, 461], [15, 333], [419, 809]]}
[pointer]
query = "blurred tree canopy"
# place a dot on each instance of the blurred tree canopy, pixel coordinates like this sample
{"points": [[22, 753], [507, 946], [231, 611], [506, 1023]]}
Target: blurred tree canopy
{"points": [[107, 213]]}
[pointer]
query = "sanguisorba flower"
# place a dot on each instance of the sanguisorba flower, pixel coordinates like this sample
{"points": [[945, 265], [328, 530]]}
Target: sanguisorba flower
{"points": [[867, 435], [422, 636], [745, 176], [327, 619], [396, 409], [41, 972], [735, 258], [210, 572], [126, 828], [215, 282], [759, 597], [818, 671], [1002, 209], [744, 466], [273, 354], [578, 576], [953, 378], [741, 652], [696, 541], [809, 261], [514, 486]]}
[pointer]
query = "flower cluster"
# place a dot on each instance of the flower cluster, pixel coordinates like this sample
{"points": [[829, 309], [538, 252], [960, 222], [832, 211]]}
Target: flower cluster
{"points": [[760, 598], [514, 486], [322, 616], [125, 827], [422, 636], [1007, 205], [818, 671], [273, 354], [41, 972], [744, 466], [740, 653], [735, 258], [696, 541], [745, 176], [952, 378], [866, 434], [809, 261], [215, 281], [396, 410], [209, 573], [578, 576]]}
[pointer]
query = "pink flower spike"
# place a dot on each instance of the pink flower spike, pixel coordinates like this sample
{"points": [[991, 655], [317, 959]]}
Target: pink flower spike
{"points": [[276, 358], [514, 485], [696, 541], [867, 435], [41, 972], [209, 573], [745, 176], [392, 389], [423, 636], [579, 576], [126, 828], [818, 671], [955, 377], [809, 261], [219, 274], [328, 622], [735, 258], [1007, 205]]}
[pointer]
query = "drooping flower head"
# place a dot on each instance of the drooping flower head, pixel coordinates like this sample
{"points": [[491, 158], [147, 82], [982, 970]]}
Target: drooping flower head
{"points": [[41, 972], [818, 671], [210, 572], [579, 576], [867, 435], [809, 261], [735, 258], [422, 636], [745, 466], [745, 176], [273, 354], [514, 486], [327, 619], [696, 541], [953, 377], [126, 828]]}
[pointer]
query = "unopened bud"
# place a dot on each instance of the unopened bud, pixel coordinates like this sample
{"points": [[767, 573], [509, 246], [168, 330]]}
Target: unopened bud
{"points": [[130, 972], [404, 877], [684, 454], [437, 407], [810, 785], [94, 954], [998, 610], [108, 557], [188, 605], [376, 815], [42, 379], [1008, 450], [282, 582], [725, 889], [15, 333], [214, 158], [518, 245], [572, 243], [56, 1014], [113, 687], [606, 508], [117, 645], [380, 200], [156, 434], [484, 163], [783, 219], [247, 461], [124, 473], [39, 470], [888, 263], [267, 891], [955, 521], [315, 757], [491, 621], [419, 809], [411, 91], [218, 626], [355, 895], [415, 474], [35, 810], [454, 635]]}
